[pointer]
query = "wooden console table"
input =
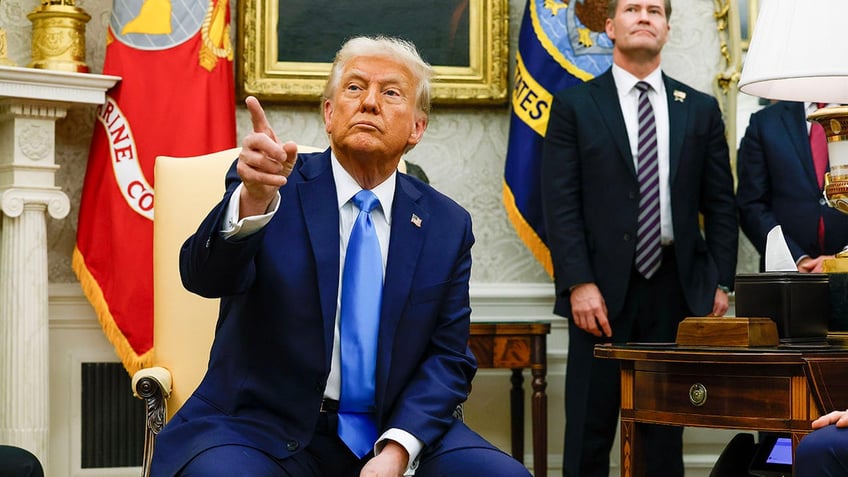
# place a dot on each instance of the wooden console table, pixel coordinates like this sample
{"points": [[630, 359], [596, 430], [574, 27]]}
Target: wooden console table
{"points": [[761, 389], [518, 346]]}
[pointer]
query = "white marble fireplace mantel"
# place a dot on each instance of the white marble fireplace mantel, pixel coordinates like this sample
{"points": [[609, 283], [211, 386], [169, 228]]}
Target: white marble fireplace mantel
{"points": [[31, 100]]}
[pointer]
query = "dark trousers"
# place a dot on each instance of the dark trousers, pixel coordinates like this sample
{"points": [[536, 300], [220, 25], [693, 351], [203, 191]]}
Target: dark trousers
{"points": [[17, 462], [822, 453], [460, 453], [652, 310]]}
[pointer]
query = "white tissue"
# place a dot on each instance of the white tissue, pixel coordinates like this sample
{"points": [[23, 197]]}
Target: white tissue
{"points": [[778, 256]]}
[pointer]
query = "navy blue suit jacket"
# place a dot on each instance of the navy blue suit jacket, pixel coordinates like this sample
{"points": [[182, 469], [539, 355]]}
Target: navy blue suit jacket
{"points": [[778, 184], [273, 341], [591, 194]]}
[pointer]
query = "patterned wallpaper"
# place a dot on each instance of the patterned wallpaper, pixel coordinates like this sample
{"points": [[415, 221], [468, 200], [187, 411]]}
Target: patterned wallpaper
{"points": [[462, 152]]}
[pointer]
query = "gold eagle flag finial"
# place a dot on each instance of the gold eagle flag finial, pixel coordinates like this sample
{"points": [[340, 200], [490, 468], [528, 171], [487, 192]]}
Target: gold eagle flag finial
{"points": [[215, 35]]}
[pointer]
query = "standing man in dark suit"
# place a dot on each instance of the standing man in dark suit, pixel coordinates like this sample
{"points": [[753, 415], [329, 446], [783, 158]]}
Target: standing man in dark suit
{"points": [[278, 251], [630, 160], [779, 185]]}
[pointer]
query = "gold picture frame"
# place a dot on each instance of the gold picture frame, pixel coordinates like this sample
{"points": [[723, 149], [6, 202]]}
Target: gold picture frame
{"points": [[478, 77]]}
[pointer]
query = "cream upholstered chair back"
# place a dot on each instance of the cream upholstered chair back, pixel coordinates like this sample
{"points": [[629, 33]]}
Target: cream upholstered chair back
{"points": [[186, 189]]}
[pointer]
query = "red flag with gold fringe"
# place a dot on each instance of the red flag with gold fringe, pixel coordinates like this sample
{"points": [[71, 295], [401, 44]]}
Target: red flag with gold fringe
{"points": [[176, 98]]}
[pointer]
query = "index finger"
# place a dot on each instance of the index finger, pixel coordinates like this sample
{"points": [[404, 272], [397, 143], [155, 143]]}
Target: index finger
{"points": [[605, 326], [258, 119]]}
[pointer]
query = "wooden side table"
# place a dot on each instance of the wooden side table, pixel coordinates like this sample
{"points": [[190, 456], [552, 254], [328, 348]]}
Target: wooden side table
{"points": [[760, 389], [517, 346]]}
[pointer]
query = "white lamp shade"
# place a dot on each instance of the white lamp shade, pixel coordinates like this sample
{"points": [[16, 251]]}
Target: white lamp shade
{"points": [[798, 53]]}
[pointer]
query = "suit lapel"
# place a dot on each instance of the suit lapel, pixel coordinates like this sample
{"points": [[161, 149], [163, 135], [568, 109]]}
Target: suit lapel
{"points": [[678, 114], [605, 96], [798, 135], [321, 214], [405, 245]]}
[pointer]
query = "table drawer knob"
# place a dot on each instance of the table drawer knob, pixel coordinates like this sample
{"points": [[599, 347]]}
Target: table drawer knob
{"points": [[698, 394]]}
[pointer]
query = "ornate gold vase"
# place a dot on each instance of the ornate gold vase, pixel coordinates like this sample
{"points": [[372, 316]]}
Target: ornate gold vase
{"points": [[58, 36]]}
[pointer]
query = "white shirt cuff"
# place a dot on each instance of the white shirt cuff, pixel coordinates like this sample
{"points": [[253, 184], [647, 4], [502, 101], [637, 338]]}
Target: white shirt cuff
{"points": [[409, 442], [232, 227]]}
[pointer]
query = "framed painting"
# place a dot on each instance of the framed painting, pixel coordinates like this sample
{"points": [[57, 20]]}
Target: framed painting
{"points": [[286, 47]]}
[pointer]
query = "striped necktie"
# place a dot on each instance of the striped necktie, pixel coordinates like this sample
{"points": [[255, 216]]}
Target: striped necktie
{"points": [[648, 246]]}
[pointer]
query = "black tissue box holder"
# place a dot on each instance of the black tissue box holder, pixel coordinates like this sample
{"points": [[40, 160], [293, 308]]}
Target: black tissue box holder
{"points": [[799, 303]]}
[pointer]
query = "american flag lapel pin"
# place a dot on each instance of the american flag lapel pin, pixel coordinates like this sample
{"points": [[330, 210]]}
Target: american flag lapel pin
{"points": [[416, 220]]}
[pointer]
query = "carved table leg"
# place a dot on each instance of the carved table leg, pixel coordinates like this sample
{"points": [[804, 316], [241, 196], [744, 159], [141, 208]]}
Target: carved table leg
{"points": [[540, 423]]}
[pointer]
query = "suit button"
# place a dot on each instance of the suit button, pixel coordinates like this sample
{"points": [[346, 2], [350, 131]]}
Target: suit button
{"points": [[626, 237], [292, 446], [822, 201], [631, 195]]}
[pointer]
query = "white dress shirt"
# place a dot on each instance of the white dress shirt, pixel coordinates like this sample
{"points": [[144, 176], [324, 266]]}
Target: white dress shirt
{"points": [[628, 98]]}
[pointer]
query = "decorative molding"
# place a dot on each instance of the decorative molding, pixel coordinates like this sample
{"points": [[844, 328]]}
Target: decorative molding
{"points": [[36, 141], [14, 200], [51, 85], [512, 301], [726, 80]]}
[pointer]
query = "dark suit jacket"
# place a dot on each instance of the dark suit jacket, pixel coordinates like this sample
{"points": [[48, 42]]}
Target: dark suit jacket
{"points": [[778, 184], [591, 194], [273, 341]]}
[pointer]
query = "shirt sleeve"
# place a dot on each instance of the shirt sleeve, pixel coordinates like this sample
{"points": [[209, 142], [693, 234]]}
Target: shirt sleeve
{"points": [[234, 228], [409, 442]]}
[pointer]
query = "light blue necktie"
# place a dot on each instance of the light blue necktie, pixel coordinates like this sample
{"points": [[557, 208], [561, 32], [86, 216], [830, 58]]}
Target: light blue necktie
{"points": [[362, 290]]}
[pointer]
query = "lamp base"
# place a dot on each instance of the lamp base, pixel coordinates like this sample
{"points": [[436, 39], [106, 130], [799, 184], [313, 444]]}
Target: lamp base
{"points": [[836, 193]]}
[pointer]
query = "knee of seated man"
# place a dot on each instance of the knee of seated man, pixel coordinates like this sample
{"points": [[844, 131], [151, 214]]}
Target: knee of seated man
{"points": [[463, 452], [823, 442], [473, 462]]}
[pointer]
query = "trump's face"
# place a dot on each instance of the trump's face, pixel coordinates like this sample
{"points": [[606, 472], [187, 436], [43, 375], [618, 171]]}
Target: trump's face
{"points": [[374, 110]]}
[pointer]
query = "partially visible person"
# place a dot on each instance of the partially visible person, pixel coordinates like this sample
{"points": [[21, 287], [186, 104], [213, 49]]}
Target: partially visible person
{"points": [[414, 170], [309, 375], [630, 160], [824, 452], [780, 183], [17, 462]]}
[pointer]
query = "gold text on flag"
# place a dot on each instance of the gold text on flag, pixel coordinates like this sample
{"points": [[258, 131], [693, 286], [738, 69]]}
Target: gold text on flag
{"points": [[134, 187], [531, 102]]}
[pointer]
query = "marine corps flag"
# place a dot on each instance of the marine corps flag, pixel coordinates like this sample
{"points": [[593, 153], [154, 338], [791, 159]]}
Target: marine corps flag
{"points": [[176, 97], [561, 43]]}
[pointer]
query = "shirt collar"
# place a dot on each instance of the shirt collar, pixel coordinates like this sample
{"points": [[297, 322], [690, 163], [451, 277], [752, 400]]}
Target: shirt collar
{"points": [[811, 107], [626, 82], [347, 187]]}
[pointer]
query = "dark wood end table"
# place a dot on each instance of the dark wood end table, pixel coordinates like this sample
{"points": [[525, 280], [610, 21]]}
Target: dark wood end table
{"points": [[519, 345]]}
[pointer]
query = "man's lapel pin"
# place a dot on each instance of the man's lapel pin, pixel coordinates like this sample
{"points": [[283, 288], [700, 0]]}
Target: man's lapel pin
{"points": [[679, 95], [416, 220]]}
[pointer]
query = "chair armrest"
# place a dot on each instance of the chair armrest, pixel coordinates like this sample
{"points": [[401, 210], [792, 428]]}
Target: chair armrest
{"points": [[153, 385]]}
